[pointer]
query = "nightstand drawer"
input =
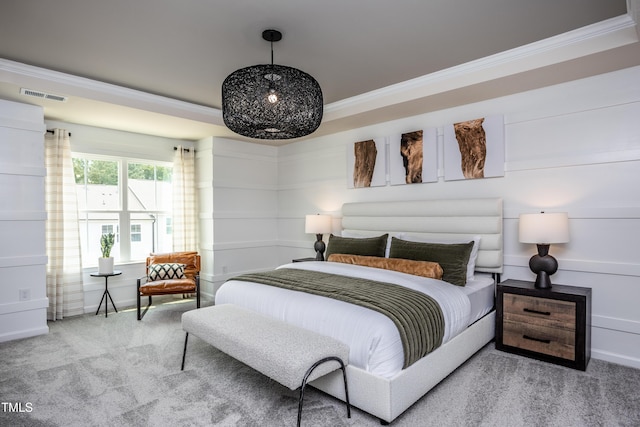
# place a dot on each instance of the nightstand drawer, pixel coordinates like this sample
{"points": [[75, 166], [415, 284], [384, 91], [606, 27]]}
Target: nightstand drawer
{"points": [[539, 311], [541, 339], [553, 324]]}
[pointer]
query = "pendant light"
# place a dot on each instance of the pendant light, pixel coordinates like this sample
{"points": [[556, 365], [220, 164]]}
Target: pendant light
{"points": [[271, 101]]}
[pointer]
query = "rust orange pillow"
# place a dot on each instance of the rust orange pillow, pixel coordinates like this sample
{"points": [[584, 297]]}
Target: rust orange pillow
{"points": [[417, 268]]}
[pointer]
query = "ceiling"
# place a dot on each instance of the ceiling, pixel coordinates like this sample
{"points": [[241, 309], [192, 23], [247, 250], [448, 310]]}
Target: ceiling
{"points": [[157, 67]]}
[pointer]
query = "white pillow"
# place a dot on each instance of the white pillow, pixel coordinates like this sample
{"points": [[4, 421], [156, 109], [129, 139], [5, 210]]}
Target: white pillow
{"points": [[365, 234], [471, 265]]}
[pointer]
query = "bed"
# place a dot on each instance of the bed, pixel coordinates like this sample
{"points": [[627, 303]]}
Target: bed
{"points": [[380, 382]]}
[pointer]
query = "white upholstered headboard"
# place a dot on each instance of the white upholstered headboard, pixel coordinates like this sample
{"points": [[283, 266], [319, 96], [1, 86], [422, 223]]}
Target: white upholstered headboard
{"points": [[453, 218]]}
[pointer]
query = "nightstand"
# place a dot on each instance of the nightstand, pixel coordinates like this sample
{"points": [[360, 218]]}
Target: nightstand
{"points": [[553, 325], [303, 259]]}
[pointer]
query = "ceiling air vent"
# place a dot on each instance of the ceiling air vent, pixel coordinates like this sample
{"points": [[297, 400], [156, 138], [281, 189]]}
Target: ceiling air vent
{"points": [[42, 95]]}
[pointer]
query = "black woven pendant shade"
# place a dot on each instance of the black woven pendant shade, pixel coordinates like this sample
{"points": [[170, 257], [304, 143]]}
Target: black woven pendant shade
{"points": [[271, 101]]}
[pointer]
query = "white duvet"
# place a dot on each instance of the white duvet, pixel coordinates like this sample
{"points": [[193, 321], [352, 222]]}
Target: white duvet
{"points": [[373, 339]]}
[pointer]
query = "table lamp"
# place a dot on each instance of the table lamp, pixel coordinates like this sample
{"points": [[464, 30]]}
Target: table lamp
{"points": [[543, 229], [318, 225]]}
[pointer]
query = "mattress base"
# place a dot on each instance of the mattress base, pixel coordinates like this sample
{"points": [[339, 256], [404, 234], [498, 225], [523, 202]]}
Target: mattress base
{"points": [[387, 398]]}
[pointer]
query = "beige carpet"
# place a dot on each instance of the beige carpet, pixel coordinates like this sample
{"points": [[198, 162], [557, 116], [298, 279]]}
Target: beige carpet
{"points": [[116, 371]]}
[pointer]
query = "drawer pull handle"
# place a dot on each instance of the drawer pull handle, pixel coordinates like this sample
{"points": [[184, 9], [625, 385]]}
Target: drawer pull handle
{"points": [[544, 313], [527, 337]]}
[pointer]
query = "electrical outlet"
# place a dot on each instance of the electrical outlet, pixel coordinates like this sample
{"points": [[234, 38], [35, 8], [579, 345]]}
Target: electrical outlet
{"points": [[224, 269], [24, 294]]}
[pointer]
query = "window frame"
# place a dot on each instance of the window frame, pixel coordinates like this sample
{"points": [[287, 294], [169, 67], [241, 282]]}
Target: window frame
{"points": [[123, 213]]}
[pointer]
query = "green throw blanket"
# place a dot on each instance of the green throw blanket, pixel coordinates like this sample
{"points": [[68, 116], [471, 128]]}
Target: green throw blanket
{"points": [[417, 316]]}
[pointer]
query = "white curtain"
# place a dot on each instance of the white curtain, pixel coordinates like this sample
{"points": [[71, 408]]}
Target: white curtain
{"points": [[64, 267], [185, 213]]}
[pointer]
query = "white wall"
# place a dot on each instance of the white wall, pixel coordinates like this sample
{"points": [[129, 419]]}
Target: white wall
{"points": [[238, 207], [110, 142], [23, 260], [204, 185], [574, 147]]}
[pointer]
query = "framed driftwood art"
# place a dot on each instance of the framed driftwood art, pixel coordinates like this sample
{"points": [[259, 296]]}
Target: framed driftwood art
{"points": [[413, 157], [474, 148], [366, 163]]}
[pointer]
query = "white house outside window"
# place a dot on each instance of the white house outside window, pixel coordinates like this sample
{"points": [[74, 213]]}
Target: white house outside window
{"points": [[136, 233], [123, 194]]}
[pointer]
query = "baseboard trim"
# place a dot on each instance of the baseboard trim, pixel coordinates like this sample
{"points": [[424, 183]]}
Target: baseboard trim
{"points": [[26, 333], [615, 358]]}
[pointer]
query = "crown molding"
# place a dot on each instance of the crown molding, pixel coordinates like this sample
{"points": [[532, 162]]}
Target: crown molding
{"points": [[581, 42], [28, 75]]}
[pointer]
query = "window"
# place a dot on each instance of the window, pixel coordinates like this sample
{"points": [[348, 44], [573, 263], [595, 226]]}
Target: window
{"points": [[123, 194], [107, 229], [136, 233]]}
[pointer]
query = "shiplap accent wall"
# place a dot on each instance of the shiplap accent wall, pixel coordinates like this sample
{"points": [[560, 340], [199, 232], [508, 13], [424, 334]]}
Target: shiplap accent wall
{"points": [[239, 210], [23, 260], [204, 186], [573, 147]]}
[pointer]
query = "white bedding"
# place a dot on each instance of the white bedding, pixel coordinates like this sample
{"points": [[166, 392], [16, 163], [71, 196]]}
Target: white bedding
{"points": [[374, 340], [481, 292]]}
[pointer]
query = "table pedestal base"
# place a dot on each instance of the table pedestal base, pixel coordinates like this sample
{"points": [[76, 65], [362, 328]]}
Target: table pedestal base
{"points": [[106, 303]]}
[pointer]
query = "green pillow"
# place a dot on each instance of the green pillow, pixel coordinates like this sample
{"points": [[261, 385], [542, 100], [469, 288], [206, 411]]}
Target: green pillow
{"points": [[453, 258], [367, 246]]}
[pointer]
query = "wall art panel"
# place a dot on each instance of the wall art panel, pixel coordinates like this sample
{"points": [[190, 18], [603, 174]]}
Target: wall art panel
{"points": [[474, 149], [366, 164], [413, 157]]}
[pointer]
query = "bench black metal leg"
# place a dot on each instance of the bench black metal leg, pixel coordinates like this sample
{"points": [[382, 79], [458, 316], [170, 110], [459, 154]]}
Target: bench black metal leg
{"points": [[184, 352], [306, 376]]}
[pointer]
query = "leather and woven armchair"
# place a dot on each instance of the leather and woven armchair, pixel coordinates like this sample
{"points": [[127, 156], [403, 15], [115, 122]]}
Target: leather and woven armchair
{"points": [[170, 273]]}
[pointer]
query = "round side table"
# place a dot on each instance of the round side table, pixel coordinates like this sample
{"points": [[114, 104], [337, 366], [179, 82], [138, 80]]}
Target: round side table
{"points": [[106, 290]]}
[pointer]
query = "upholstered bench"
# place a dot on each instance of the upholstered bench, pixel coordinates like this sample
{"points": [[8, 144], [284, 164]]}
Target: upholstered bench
{"points": [[287, 354]]}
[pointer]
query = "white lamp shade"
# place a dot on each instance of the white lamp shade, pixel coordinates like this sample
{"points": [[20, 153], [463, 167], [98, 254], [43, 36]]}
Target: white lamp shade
{"points": [[317, 224], [544, 228]]}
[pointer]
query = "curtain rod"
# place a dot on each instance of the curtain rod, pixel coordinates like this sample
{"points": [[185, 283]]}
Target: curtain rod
{"points": [[52, 131], [184, 149]]}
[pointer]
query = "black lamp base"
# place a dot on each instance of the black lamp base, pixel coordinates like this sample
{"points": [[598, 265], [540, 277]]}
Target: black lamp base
{"points": [[543, 281], [544, 265], [319, 247]]}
